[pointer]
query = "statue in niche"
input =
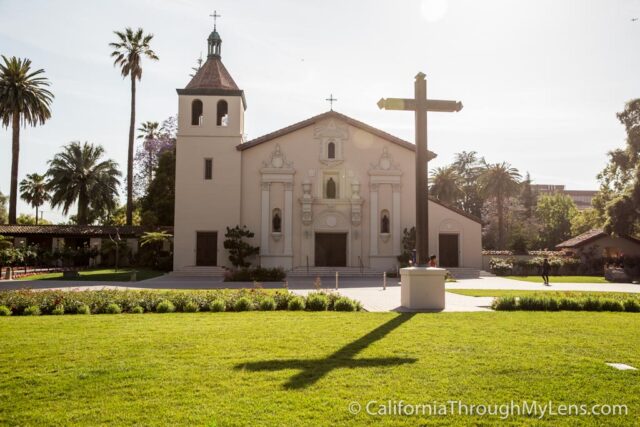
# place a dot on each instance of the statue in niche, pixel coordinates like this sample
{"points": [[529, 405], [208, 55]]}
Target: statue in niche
{"points": [[276, 222], [331, 189], [384, 224]]}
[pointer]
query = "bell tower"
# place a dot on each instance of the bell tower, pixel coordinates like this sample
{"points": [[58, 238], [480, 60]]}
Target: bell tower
{"points": [[210, 127]]}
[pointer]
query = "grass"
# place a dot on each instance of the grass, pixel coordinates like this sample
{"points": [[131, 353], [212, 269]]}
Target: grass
{"points": [[517, 293], [560, 279], [101, 275], [285, 368]]}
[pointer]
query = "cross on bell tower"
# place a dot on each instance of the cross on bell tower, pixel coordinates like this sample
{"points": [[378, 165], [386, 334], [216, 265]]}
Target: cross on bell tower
{"points": [[214, 40]]}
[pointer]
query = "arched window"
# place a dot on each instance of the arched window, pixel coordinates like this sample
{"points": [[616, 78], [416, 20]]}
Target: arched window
{"points": [[196, 112], [384, 223], [331, 189], [276, 221], [223, 113], [331, 150]]}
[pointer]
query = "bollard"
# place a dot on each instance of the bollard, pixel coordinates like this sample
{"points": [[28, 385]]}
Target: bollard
{"points": [[337, 279], [384, 281], [134, 276]]}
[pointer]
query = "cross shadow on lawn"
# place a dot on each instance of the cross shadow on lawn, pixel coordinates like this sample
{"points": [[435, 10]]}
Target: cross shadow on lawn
{"points": [[312, 370]]}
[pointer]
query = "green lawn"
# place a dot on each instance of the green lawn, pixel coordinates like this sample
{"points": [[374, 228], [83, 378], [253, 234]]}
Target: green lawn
{"points": [[292, 369], [560, 279], [516, 293], [101, 275]]}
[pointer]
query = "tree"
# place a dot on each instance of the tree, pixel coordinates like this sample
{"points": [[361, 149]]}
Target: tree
{"points": [[147, 156], [25, 219], [24, 100], [79, 174], [528, 197], [157, 205], [129, 51], [239, 250], [33, 190], [408, 247], [3, 208], [468, 167], [555, 211], [499, 181], [445, 185], [618, 200], [585, 220]]}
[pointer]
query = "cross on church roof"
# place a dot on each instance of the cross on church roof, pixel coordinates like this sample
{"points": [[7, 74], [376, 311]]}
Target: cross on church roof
{"points": [[215, 16], [331, 100]]}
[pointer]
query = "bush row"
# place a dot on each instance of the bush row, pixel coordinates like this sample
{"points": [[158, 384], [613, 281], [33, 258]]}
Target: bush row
{"points": [[541, 303], [25, 302], [565, 266], [258, 274]]}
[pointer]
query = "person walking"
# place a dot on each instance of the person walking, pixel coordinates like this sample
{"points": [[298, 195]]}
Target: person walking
{"points": [[432, 261], [546, 267]]}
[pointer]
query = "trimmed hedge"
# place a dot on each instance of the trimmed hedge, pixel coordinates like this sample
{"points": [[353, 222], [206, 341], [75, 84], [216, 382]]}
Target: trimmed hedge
{"points": [[542, 303], [109, 301]]}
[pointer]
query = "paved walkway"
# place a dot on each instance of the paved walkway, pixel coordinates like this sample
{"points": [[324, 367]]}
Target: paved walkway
{"points": [[366, 290]]}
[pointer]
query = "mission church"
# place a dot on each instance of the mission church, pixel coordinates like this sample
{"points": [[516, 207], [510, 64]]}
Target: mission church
{"points": [[329, 191]]}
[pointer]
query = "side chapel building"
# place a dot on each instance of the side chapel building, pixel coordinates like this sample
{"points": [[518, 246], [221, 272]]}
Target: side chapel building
{"points": [[329, 191]]}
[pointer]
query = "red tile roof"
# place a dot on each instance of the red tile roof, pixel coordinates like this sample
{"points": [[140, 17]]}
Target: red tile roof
{"points": [[587, 237], [69, 230], [212, 75], [328, 115]]}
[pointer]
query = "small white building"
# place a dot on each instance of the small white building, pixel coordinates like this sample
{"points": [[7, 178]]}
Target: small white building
{"points": [[327, 191]]}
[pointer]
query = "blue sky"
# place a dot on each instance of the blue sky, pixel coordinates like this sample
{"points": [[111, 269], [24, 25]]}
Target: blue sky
{"points": [[540, 80]]}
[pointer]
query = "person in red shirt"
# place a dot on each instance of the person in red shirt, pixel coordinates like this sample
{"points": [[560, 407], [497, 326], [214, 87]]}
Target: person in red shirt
{"points": [[432, 261]]}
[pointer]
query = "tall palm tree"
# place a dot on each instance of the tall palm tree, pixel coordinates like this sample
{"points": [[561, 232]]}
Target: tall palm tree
{"points": [[79, 174], [446, 185], [33, 190], [128, 52], [499, 181], [24, 100]]}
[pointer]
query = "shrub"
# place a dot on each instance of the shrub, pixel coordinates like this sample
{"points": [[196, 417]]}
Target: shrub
{"points": [[631, 306], [296, 304], [317, 302], [59, 310], [258, 274], [137, 309], [612, 305], [113, 308], [217, 305], [243, 304], [267, 304], [501, 267], [504, 303], [570, 304], [83, 309], [531, 303], [5, 311], [592, 304], [165, 306], [32, 310], [344, 304], [191, 307]]}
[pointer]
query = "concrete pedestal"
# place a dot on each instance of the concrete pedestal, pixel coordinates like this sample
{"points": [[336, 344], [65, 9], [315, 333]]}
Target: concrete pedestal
{"points": [[422, 288]]}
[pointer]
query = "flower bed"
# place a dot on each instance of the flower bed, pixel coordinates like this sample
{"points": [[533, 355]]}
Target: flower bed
{"points": [[129, 301]]}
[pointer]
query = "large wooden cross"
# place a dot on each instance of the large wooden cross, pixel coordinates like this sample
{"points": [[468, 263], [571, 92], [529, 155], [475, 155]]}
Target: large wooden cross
{"points": [[420, 105]]}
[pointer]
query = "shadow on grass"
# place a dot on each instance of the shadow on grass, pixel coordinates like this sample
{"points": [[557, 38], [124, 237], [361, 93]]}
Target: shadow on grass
{"points": [[312, 370]]}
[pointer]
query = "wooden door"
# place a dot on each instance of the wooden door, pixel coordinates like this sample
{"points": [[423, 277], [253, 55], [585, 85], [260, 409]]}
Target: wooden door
{"points": [[207, 248], [331, 250], [449, 250]]}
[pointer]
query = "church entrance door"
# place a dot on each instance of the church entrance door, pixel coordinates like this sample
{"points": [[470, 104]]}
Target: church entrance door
{"points": [[331, 250], [206, 248], [449, 250]]}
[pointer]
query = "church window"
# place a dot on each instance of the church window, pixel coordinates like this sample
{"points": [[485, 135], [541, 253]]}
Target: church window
{"points": [[196, 113], [276, 221], [331, 150], [208, 169], [331, 189], [384, 222], [223, 113]]}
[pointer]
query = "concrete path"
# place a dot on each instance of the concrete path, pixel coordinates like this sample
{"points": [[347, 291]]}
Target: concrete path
{"points": [[366, 290]]}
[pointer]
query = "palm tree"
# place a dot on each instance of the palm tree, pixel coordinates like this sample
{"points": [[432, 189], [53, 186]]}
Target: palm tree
{"points": [[130, 48], [500, 181], [446, 185], [148, 130], [24, 100], [78, 174], [33, 190]]}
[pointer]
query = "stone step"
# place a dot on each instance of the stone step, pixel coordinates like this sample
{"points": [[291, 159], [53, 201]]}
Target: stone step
{"points": [[193, 271]]}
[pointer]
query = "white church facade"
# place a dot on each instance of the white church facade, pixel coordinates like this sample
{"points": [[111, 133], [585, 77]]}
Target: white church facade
{"points": [[327, 191]]}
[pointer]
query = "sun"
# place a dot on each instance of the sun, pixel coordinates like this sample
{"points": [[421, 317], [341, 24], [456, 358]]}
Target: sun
{"points": [[434, 10]]}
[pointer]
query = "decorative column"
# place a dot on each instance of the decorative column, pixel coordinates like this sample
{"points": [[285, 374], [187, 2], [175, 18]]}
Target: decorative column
{"points": [[264, 223], [395, 219], [288, 218], [373, 219]]}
